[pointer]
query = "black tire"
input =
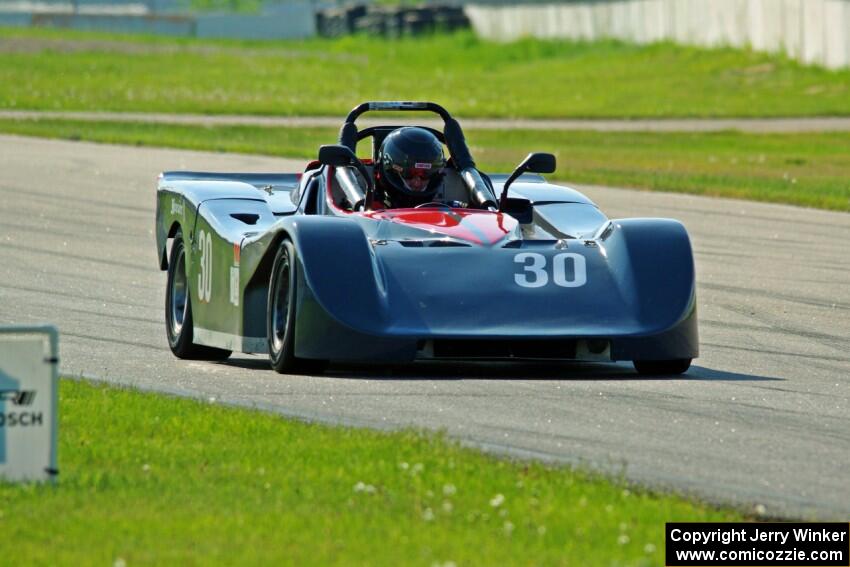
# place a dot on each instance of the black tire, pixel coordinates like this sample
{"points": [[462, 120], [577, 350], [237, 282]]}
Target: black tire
{"points": [[178, 310], [280, 320], [662, 367]]}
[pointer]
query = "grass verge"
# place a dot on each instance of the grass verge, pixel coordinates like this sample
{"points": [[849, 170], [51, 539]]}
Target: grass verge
{"points": [[64, 70], [149, 479], [808, 169]]}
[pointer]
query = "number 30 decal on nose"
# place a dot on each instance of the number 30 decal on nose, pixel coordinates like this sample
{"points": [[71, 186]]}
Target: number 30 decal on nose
{"points": [[568, 270]]}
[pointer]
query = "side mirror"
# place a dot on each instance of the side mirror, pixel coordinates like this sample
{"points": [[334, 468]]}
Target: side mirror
{"points": [[537, 162], [337, 156], [342, 156]]}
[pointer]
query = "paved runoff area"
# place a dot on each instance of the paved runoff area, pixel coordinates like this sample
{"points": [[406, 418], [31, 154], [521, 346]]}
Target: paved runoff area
{"points": [[752, 125], [762, 420]]}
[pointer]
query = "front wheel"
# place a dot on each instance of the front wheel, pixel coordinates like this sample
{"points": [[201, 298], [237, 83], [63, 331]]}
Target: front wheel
{"points": [[280, 321], [178, 310], [662, 367]]}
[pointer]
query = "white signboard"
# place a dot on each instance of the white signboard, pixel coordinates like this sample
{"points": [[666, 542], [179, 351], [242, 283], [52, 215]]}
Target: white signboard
{"points": [[28, 400]]}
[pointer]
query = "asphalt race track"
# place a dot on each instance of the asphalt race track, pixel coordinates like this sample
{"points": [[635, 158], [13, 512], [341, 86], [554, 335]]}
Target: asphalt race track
{"points": [[761, 420]]}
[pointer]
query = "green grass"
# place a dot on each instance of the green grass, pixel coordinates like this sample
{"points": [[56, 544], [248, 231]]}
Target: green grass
{"points": [[240, 6], [809, 169], [62, 70], [150, 479]]}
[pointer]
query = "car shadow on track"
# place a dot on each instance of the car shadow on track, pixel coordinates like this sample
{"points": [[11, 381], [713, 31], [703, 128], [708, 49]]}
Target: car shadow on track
{"points": [[504, 371]]}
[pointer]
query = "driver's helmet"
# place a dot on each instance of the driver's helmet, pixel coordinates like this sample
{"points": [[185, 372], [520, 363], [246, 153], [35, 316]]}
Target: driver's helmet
{"points": [[410, 164]]}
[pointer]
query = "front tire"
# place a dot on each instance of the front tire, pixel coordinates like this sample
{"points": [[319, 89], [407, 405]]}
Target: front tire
{"points": [[178, 310], [662, 367], [280, 322]]}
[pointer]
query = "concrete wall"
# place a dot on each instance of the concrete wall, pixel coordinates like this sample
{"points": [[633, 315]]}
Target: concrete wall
{"points": [[109, 7], [284, 21], [281, 21], [812, 31]]}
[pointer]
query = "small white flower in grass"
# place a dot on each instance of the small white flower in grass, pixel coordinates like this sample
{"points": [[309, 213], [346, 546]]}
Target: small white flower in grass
{"points": [[363, 487], [146, 467], [623, 539], [403, 466], [760, 510], [418, 468], [449, 489], [626, 493], [497, 500], [649, 548], [212, 399], [119, 562], [428, 514], [447, 506], [508, 527]]}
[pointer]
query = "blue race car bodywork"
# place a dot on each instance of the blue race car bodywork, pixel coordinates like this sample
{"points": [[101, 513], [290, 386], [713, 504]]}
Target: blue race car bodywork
{"points": [[297, 265]]}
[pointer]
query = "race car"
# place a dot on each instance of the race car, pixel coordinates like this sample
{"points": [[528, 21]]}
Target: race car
{"points": [[310, 268]]}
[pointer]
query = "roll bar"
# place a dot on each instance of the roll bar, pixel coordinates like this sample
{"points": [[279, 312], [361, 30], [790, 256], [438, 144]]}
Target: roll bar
{"points": [[399, 105], [455, 139]]}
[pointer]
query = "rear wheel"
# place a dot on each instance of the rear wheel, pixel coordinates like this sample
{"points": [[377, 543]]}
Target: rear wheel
{"points": [[280, 325], [662, 367], [178, 310]]}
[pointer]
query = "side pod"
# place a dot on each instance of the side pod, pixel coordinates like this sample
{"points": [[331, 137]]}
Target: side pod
{"points": [[653, 262]]}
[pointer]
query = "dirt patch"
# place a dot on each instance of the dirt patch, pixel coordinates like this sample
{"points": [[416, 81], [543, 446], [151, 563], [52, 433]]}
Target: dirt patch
{"points": [[42, 45], [36, 45], [761, 69]]}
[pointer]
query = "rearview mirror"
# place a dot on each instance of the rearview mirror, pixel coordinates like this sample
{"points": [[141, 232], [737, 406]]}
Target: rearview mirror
{"points": [[536, 162], [337, 156], [341, 156]]}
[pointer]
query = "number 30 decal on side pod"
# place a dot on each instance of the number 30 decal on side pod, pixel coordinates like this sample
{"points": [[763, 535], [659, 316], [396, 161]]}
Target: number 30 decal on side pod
{"points": [[568, 270], [205, 274]]}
